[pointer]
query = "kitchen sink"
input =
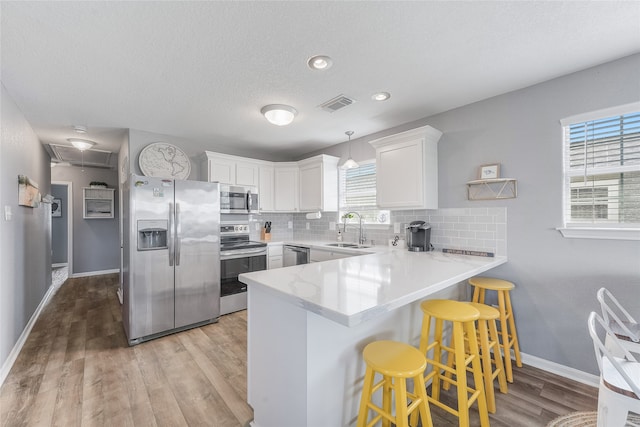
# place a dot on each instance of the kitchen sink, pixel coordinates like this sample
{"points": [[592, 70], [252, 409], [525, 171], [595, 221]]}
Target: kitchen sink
{"points": [[346, 245]]}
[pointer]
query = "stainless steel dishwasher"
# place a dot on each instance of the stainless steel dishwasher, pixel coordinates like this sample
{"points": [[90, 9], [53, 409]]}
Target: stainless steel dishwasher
{"points": [[295, 255]]}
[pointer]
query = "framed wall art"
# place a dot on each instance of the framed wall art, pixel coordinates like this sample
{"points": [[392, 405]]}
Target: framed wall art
{"points": [[490, 171], [28, 194], [56, 208]]}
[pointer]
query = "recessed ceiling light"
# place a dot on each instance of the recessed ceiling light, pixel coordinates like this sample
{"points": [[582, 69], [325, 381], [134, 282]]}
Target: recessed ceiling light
{"points": [[381, 96], [320, 62], [279, 114]]}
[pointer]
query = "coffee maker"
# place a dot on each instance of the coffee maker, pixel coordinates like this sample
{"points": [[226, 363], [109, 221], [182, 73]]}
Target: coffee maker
{"points": [[418, 236]]}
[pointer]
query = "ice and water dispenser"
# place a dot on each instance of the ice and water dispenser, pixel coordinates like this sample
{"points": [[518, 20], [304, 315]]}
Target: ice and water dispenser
{"points": [[152, 235]]}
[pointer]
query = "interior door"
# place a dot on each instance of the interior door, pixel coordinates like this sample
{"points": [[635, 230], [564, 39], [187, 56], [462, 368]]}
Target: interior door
{"points": [[197, 272]]}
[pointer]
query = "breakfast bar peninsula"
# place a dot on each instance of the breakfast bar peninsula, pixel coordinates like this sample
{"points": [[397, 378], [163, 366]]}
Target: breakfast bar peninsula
{"points": [[308, 324]]}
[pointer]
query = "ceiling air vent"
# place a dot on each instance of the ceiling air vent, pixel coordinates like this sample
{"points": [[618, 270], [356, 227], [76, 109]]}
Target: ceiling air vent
{"points": [[73, 156], [337, 103]]}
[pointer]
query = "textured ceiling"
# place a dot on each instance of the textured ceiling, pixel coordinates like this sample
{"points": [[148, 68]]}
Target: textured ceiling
{"points": [[203, 70]]}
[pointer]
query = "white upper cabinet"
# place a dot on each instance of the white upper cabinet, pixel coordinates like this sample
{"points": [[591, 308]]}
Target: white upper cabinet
{"points": [[282, 186], [228, 169], [221, 170], [407, 169], [247, 174], [286, 186], [319, 183], [266, 189]]}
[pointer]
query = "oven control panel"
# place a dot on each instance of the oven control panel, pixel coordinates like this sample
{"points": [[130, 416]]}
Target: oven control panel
{"points": [[234, 228]]}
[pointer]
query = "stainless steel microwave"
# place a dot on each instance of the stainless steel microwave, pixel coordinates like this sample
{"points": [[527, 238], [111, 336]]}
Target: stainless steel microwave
{"points": [[238, 199]]}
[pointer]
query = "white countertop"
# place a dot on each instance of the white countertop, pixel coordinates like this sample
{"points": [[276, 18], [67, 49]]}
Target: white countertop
{"points": [[351, 290]]}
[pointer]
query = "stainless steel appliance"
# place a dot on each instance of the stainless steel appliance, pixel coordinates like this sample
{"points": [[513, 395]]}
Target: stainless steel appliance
{"points": [[238, 255], [419, 236], [295, 255], [171, 256], [238, 199]]}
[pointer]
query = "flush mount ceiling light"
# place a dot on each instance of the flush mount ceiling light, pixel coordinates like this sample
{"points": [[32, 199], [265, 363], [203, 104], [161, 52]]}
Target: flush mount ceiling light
{"points": [[320, 62], [381, 96], [350, 163], [81, 144], [279, 114]]}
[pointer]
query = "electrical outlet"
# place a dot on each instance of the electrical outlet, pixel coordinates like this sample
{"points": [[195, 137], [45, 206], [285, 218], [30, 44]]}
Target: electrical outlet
{"points": [[332, 225], [289, 225], [396, 227], [257, 226], [308, 226]]}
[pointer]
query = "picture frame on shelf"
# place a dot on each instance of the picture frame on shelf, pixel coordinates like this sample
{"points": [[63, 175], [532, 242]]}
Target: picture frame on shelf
{"points": [[489, 171], [56, 208]]}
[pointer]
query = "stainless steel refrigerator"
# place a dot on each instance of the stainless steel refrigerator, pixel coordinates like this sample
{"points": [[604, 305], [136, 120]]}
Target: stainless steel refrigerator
{"points": [[171, 263]]}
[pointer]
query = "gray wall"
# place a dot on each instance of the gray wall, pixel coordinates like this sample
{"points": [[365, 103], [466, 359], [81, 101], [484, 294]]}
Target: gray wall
{"points": [[556, 278], [96, 246], [25, 245], [59, 228]]}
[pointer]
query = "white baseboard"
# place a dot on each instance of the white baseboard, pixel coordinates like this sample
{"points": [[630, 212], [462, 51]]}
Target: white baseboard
{"points": [[11, 359], [562, 370], [94, 273]]}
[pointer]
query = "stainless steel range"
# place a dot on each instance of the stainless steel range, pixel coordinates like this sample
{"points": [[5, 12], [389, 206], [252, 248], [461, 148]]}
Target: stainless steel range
{"points": [[238, 255]]}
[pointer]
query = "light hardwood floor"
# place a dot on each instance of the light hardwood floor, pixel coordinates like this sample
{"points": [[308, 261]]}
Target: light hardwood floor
{"points": [[77, 370]]}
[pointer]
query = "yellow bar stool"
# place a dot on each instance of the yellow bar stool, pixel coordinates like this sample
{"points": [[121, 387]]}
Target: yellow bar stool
{"points": [[396, 362], [462, 317], [508, 332], [488, 340]]}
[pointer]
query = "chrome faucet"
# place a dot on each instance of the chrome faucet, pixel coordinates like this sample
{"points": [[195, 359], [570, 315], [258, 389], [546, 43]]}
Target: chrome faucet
{"points": [[361, 238]]}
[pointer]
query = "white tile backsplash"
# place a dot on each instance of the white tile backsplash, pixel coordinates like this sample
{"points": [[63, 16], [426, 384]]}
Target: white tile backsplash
{"points": [[479, 229]]}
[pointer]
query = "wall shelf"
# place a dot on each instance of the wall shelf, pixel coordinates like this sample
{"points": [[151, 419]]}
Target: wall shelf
{"points": [[492, 189], [97, 203]]}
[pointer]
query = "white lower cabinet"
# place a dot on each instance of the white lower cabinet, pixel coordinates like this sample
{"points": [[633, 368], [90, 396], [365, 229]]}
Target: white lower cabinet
{"points": [[274, 256]]}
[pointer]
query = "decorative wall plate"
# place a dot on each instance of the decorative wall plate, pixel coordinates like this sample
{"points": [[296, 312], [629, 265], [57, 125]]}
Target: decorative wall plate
{"points": [[164, 160]]}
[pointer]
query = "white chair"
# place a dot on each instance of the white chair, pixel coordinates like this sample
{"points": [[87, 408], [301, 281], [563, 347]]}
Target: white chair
{"points": [[619, 390], [620, 322]]}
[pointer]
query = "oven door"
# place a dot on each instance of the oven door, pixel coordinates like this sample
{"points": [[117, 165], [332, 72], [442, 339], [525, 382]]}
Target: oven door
{"points": [[234, 264]]}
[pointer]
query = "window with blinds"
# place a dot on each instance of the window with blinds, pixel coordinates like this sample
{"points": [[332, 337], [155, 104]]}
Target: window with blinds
{"points": [[602, 172], [357, 190]]}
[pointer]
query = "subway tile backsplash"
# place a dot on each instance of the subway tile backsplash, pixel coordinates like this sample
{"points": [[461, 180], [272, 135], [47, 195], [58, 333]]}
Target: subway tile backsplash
{"points": [[477, 229]]}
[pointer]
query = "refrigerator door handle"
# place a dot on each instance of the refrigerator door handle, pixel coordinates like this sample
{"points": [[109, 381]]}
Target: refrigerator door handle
{"points": [[178, 230], [171, 235]]}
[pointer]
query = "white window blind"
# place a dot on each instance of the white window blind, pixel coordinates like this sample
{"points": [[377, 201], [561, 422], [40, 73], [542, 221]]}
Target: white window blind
{"points": [[602, 172], [357, 188]]}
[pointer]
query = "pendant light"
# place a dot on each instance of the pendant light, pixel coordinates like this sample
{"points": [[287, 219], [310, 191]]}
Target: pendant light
{"points": [[350, 163]]}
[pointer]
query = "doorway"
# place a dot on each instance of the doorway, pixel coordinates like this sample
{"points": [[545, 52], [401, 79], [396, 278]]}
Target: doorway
{"points": [[61, 230]]}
